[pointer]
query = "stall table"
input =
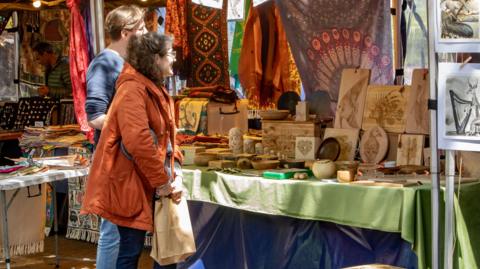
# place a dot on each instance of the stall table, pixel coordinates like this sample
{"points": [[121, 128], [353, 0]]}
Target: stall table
{"points": [[18, 182], [403, 211]]}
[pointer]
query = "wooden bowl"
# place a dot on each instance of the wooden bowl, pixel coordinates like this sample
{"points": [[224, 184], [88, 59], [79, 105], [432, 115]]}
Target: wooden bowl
{"points": [[202, 159], [265, 164], [273, 114]]}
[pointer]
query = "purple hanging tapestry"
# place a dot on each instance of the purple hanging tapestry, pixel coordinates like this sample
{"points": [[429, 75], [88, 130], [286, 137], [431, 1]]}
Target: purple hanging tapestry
{"points": [[327, 36]]}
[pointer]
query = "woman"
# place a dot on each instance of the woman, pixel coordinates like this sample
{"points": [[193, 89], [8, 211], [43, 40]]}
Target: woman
{"points": [[132, 158]]}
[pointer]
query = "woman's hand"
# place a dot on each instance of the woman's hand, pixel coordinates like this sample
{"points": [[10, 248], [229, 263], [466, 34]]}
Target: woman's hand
{"points": [[164, 190], [177, 185]]}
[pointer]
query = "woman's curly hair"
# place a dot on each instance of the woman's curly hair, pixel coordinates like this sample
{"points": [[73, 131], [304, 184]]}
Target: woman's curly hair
{"points": [[141, 53]]}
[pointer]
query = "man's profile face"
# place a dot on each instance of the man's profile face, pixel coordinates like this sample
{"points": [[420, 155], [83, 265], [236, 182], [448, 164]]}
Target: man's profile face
{"points": [[42, 59]]}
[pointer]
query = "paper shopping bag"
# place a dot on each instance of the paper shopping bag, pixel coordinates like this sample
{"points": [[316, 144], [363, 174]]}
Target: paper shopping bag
{"points": [[173, 240]]}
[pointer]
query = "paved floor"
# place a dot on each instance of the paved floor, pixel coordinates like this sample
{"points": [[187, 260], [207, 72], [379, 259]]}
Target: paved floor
{"points": [[67, 248]]}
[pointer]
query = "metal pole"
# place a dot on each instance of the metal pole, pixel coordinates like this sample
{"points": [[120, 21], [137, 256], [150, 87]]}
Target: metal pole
{"points": [[100, 24], [55, 224], [93, 18], [6, 246], [16, 64], [435, 187], [449, 193]]}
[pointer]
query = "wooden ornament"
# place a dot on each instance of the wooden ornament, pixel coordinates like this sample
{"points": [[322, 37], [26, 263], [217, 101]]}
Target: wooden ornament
{"points": [[374, 145], [352, 96]]}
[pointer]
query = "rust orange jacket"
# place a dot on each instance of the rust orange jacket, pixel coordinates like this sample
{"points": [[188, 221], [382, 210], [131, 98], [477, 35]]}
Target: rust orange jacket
{"points": [[119, 189]]}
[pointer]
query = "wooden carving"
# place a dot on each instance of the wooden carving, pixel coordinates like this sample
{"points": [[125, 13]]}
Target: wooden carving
{"points": [[417, 121], [353, 91], [385, 107], [374, 145], [410, 149], [348, 139]]}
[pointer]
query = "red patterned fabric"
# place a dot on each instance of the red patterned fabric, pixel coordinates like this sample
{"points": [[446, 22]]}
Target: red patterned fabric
{"points": [[78, 64], [207, 36], [176, 24]]}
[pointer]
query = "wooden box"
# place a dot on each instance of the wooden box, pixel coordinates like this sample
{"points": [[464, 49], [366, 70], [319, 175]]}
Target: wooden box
{"points": [[280, 136]]}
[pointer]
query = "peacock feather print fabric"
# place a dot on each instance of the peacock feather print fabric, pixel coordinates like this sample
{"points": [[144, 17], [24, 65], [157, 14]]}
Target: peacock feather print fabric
{"points": [[327, 36]]}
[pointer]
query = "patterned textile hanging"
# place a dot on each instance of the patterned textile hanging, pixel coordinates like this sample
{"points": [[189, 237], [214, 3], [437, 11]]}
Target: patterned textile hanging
{"points": [[264, 68], [207, 36], [328, 36]]}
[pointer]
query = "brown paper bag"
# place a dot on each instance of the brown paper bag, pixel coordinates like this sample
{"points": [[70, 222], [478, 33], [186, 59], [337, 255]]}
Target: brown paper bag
{"points": [[172, 240]]}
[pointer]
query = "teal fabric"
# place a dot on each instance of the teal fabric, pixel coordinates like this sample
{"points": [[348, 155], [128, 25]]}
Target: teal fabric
{"points": [[403, 210]]}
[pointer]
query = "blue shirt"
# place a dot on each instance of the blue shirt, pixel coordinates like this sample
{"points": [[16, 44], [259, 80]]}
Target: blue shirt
{"points": [[102, 75]]}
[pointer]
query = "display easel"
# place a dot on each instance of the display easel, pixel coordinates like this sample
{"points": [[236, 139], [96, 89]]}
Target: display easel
{"points": [[436, 46]]}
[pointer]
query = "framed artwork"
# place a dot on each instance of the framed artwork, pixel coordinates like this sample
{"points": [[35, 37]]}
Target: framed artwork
{"points": [[459, 106], [353, 91], [385, 107], [348, 139], [210, 3], [236, 10], [258, 2], [410, 149], [457, 25]]}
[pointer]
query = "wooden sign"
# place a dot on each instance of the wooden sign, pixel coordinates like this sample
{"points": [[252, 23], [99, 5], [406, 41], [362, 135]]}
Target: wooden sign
{"points": [[352, 94], [410, 149], [374, 145], [418, 121], [348, 139], [386, 107]]}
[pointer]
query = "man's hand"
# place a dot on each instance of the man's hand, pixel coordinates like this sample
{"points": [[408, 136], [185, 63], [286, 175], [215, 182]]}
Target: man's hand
{"points": [[43, 91]]}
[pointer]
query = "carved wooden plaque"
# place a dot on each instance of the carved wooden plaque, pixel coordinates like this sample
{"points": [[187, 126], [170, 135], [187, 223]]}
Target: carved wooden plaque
{"points": [[351, 99], [348, 140], [386, 107], [418, 121], [374, 145], [410, 149]]}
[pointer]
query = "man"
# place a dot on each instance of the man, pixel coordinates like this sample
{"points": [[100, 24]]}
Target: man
{"points": [[120, 24], [57, 72]]}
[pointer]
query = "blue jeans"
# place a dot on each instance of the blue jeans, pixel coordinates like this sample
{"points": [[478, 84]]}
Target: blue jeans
{"points": [[131, 247], [108, 245]]}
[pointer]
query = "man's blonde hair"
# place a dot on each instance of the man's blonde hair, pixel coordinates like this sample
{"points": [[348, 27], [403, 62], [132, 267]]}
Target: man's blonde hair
{"points": [[125, 17]]}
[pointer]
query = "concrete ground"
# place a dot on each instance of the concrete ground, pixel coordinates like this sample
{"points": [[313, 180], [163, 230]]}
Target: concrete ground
{"points": [[67, 248]]}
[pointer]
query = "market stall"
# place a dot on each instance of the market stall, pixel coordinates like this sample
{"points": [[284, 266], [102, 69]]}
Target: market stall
{"points": [[327, 161]]}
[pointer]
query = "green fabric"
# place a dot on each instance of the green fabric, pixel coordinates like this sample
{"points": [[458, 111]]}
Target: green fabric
{"points": [[403, 210], [237, 41]]}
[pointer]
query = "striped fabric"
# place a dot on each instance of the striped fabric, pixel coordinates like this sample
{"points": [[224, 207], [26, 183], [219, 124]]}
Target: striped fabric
{"points": [[58, 80]]}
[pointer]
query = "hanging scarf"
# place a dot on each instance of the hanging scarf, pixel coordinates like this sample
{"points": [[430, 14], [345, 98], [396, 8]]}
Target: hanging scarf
{"points": [[79, 61]]}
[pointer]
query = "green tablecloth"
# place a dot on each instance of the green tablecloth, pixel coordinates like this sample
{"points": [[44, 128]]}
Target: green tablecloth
{"points": [[403, 210]]}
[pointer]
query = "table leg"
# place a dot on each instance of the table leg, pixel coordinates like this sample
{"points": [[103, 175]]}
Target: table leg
{"points": [[55, 225], [6, 246]]}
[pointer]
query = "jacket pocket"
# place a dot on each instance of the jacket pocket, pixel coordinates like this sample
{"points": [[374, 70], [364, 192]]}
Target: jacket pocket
{"points": [[126, 196]]}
